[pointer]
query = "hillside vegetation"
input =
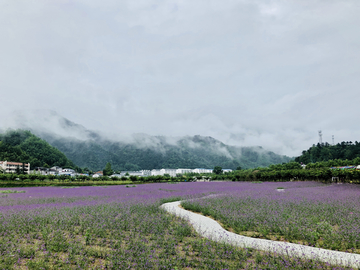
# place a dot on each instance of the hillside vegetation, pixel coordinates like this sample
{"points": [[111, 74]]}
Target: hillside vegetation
{"points": [[23, 146], [94, 149], [155, 152], [326, 152]]}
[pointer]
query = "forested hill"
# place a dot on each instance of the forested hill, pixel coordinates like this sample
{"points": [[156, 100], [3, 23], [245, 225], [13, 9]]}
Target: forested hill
{"points": [[93, 150], [23, 146], [155, 152], [325, 152]]}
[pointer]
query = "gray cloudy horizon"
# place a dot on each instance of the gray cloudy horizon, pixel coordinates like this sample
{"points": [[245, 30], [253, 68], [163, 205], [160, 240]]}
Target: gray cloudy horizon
{"points": [[247, 72]]}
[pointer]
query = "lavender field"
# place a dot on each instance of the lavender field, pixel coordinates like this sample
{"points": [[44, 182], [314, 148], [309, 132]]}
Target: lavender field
{"points": [[122, 227], [326, 216]]}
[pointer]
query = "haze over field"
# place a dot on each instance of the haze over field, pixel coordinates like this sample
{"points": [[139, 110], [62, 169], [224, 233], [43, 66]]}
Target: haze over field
{"points": [[248, 72]]}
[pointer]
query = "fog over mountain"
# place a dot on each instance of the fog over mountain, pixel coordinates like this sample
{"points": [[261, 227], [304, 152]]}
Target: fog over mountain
{"points": [[47, 122], [137, 151], [247, 72]]}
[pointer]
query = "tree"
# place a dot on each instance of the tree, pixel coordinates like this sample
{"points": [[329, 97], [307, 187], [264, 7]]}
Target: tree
{"points": [[238, 168], [133, 178], [107, 171], [217, 170], [18, 171]]}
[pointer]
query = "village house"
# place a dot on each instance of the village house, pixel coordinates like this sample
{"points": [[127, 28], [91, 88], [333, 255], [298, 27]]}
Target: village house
{"points": [[12, 167], [44, 171], [183, 171], [202, 170]]}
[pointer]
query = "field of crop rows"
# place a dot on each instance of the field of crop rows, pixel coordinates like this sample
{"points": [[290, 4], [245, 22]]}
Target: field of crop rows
{"points": [[122, 227]]}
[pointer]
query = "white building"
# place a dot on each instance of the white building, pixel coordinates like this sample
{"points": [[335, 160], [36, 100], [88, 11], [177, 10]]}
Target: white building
{"points": [[171, 172], [155, 172], [162, 172], [10, 167], [44, 171], [57, 169], [182, 171], [146, 172], [227, 170], [70, 172], [130, 173], [202, 170]]}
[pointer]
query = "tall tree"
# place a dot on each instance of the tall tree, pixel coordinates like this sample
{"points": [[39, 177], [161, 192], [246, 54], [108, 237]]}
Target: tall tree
{"points": [[107, 171], [217, 170]]}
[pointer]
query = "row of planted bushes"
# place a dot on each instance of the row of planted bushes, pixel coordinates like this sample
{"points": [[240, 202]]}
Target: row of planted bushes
{"points": [[323, 175], [85, 178]]}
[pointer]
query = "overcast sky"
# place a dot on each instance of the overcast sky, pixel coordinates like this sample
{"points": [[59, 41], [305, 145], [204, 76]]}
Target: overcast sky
{"points": [[255, 72]]}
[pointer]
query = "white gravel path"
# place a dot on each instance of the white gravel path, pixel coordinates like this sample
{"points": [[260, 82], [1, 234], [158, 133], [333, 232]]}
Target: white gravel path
{"points": [[210, 229]]}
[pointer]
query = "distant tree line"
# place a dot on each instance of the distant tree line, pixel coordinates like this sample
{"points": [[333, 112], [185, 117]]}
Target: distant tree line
{"points": [[188, 177], [293, 171], [326, 152]]}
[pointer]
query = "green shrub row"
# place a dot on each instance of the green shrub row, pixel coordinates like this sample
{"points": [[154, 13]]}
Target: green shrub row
{"points": [[323, 174], [85, 178]]}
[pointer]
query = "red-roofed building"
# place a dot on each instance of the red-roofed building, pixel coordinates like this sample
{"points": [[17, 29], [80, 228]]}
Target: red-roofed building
{"points": [[10, 167], [98, 174]]}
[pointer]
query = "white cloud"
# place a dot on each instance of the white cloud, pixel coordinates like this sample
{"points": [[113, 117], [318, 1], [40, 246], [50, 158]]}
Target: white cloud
{"points": [[268, 73]]}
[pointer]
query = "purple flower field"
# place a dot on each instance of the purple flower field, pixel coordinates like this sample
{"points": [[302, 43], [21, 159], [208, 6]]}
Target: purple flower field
{"points": [[47, 197], [326, 216], [122, 227], [89, 195]]}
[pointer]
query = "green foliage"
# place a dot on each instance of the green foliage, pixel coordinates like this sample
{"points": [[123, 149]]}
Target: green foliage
{"points": [[319, 171], [327, 152], [207, 153], [23, 146], [133, 178], [170, 199], [12, 191], [217, 170], [107, 171]]}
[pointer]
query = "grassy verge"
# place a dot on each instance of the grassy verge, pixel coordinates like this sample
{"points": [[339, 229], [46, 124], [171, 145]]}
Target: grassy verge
{"points": [[12, 191]]}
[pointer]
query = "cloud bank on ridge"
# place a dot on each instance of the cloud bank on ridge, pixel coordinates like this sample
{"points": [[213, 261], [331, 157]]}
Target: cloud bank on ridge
{"points": [[269, 73]]}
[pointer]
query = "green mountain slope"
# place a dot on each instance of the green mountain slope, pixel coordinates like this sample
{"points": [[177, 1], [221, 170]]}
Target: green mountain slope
{"points": [[155, 152], [91, 149], [23, 146], [325, 152]]}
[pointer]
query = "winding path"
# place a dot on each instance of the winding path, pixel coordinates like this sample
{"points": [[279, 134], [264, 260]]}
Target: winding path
{"points": [[210, 229]]}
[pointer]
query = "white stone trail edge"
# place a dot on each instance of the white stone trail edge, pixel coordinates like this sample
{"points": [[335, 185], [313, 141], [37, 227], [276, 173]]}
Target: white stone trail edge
{"points": [[210, 229]]}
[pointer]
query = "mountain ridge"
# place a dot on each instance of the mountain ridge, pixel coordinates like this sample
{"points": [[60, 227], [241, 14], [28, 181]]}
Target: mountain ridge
{"points": [[93, 150], [23, 146]]}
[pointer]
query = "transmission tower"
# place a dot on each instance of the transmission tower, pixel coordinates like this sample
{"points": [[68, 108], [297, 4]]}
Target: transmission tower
{"points": [[320, 137], [333, 140]]}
